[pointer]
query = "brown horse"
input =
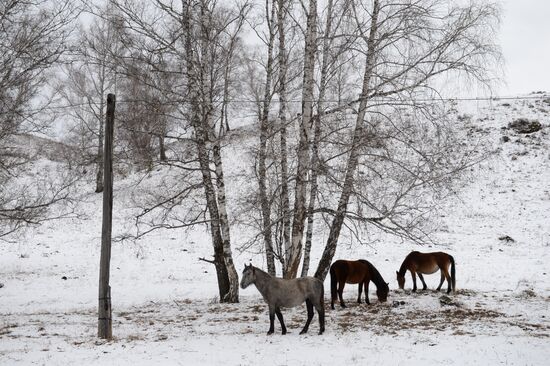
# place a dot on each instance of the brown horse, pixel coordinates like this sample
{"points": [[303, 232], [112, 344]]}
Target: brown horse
{"points": [[427, 263], [361, 272]]}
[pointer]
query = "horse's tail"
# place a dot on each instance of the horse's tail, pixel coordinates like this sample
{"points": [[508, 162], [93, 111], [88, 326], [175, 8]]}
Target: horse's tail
{"points": [[333, 284], [453, 277], [322, 299]]}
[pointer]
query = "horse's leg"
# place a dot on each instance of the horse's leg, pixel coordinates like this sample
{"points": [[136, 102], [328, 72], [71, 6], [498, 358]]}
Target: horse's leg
{"points": [[271, 320], [319, 304], [448, 277], [280, 317], [333, 286], [321, 312], [341, 285], [424, 287], [360, 291], [309, 306], [413, 275], [367, 292], [442, 280]]}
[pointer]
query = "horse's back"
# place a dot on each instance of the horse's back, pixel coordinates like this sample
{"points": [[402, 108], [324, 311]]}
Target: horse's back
{"points": [[429, 262], [420, 256], [339, 265], [293, 292], [311, 284], [350, 271]]}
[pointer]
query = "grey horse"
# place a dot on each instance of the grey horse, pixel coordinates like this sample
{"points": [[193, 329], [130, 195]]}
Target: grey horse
{"points": [[278, 292]]}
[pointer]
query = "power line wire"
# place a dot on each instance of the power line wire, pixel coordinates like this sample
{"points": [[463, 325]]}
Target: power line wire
{"points": [[250, 101]]}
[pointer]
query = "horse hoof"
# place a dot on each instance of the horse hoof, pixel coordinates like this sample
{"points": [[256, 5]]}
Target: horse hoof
{"points": [[283, 332], [270, 332], [303, 332]]}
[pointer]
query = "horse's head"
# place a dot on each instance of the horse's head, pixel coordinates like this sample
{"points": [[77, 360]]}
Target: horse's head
{"points": [[249, 276], [382, 292], [400, 280]]}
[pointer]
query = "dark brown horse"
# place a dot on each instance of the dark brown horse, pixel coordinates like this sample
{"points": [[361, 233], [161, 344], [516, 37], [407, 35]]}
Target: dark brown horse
{"points": [[361, 272], [427, 263]]}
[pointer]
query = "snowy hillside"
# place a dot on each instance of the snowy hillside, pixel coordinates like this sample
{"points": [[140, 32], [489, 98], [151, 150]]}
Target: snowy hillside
{"points": [[164, 299]]}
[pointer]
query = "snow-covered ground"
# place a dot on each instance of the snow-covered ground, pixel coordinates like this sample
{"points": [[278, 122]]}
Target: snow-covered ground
{"points": [[165, 308]]}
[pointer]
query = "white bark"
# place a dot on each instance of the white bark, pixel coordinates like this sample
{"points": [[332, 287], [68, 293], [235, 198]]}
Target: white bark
{"points": [[283, 66], [316, 138], [262, 153], [233, 294], [303, 147]]}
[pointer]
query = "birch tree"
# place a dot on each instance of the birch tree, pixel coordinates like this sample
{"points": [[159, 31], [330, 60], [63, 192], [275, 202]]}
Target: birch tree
{"points": [[195, 37], [408, 46], [327, 60], [264, 109], [310, 51]]}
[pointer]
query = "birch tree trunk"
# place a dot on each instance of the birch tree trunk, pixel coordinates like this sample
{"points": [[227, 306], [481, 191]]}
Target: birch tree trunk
{"points": [[316, 138], [303, 145], [227, 73], [199, 121], [264, 132], [283, 65], [338, 220], [224, 284], [233, 294]]}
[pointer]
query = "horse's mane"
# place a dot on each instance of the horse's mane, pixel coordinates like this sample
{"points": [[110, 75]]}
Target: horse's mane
{"points": [[376, 276], [262, 271], [403, 268]]}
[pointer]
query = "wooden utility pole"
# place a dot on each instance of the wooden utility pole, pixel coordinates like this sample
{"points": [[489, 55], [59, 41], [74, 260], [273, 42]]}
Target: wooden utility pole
{"points": [[105, 322]]}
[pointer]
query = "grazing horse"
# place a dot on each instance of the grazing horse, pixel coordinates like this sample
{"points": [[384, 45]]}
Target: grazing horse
{"points": [[361, 272], [278, 292], [427, 263]]}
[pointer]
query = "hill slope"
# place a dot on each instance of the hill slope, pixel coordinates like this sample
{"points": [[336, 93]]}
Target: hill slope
{"points": [[164, 303]]}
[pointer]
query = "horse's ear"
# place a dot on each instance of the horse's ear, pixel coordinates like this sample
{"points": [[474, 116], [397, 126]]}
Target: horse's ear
{"points": [[397, 272]]}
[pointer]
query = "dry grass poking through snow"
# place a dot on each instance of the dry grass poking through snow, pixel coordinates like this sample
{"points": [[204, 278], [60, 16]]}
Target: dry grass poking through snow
{"points": [[471, 314]]}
